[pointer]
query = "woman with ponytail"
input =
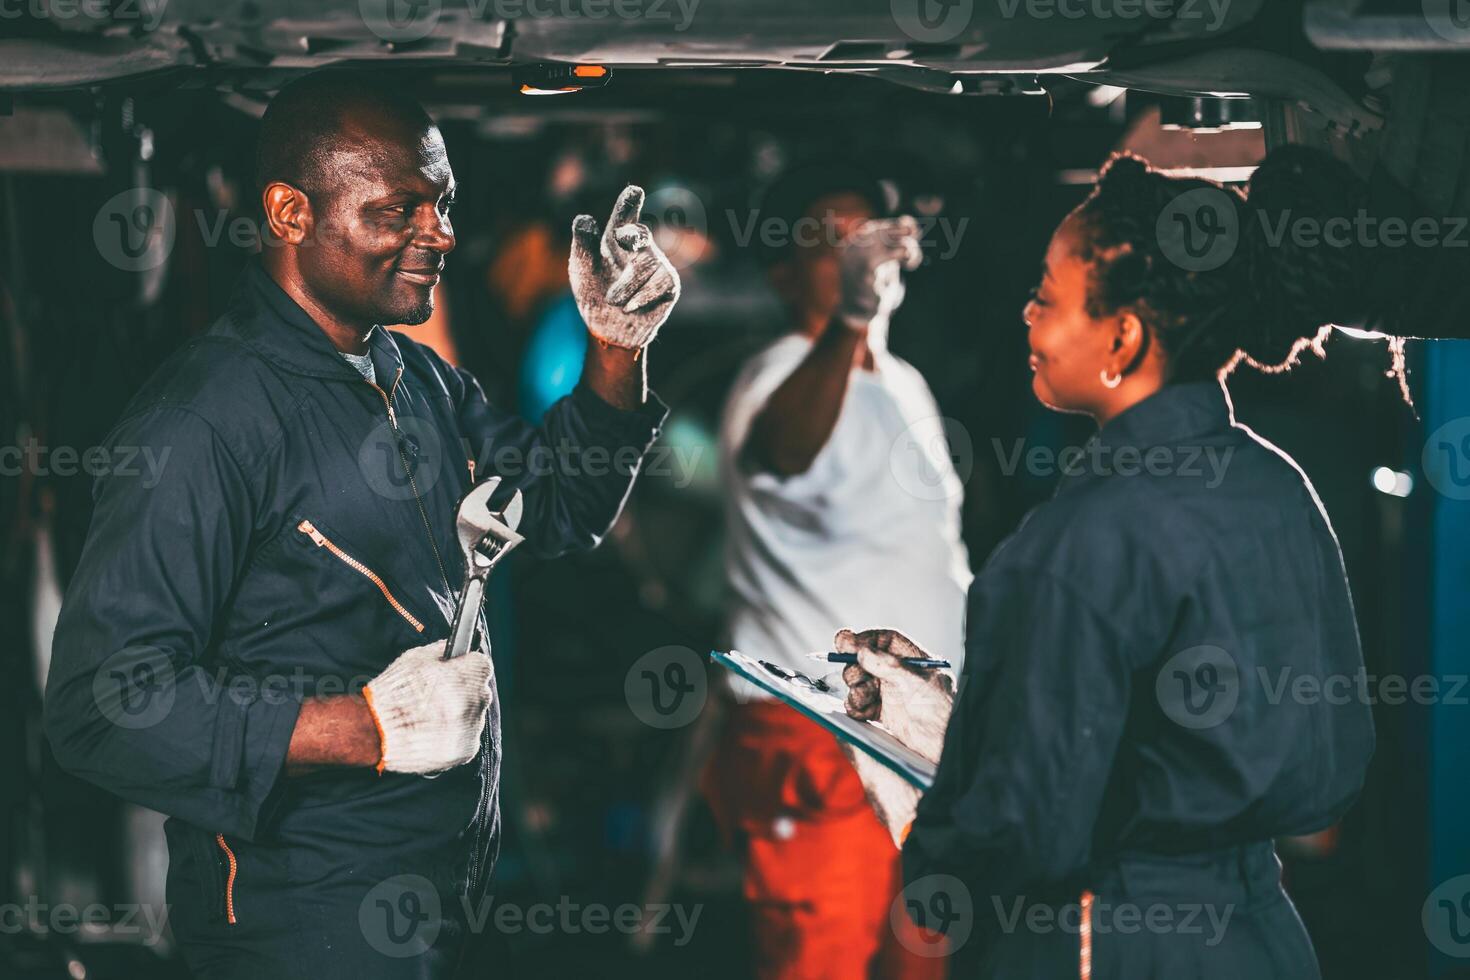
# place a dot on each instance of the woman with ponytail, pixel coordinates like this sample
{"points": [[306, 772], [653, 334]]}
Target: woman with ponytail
{"points": [[1131, 730]]}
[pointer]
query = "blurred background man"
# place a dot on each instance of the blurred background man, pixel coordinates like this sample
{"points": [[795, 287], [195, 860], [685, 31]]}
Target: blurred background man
{"points": [[835, 465]]}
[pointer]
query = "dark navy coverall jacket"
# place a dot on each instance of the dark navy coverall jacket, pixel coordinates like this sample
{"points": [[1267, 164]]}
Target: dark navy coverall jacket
{"points": [[1162, 675], [284, 553]]}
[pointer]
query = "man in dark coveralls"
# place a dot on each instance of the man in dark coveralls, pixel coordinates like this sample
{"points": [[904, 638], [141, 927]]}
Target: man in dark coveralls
{"points": [[212, 649]]}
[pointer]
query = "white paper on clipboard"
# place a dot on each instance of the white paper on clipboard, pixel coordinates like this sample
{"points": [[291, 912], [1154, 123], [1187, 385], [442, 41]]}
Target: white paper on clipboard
{"points": [[827, 710]]}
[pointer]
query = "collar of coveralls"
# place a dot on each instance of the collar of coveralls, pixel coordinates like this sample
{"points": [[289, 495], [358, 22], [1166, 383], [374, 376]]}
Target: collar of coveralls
{"points": [[270, 322]]}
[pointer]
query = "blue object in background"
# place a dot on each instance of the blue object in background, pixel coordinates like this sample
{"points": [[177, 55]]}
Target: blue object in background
{"points": [[1439, 582], [553, 361]]}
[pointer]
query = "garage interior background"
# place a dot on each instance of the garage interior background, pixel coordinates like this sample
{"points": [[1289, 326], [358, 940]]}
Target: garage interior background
{"points": [[95, 292]]}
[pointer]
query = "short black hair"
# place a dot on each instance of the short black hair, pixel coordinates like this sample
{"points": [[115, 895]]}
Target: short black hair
{"points": [[302, 123]]}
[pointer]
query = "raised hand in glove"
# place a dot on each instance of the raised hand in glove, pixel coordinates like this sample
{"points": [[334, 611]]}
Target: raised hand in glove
{"points": [[430, 712], [624, 285], [913, 703], [870, 258]]}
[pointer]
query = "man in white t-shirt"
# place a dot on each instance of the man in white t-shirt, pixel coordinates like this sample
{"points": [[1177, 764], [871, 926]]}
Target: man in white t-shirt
{"points": [[837, 474]]}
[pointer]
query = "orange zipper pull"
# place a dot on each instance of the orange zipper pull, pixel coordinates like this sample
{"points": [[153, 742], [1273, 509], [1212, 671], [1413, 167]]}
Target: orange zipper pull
{"points": [[230, 881], [309, 529], [1084, 931]]}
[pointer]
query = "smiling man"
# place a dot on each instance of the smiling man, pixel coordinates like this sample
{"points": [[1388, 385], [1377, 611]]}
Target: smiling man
{"points": [[252, 643]]}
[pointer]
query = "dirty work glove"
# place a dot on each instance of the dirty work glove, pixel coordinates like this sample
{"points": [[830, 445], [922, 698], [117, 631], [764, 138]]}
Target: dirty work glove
{"points": [[624, 285], [913, 703], [894, 799], [430, 711], [869, 260]]}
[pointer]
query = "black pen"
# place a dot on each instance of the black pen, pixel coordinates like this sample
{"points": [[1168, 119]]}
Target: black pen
{"points": [[851, 658]]}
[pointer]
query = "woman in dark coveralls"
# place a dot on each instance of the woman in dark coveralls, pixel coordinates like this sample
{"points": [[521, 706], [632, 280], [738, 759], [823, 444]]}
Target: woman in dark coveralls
{"points": [[1123, 750]]}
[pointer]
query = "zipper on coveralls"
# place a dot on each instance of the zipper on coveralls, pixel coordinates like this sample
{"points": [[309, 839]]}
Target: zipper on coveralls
{"points": [[412, 483], [321, 541]]}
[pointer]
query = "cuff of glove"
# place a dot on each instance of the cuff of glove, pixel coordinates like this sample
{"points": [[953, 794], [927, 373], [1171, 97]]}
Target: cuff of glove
{"points": [[367, 695]]}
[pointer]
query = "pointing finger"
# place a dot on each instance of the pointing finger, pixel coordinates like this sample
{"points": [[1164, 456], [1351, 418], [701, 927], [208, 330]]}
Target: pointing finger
{"points": [[626, 212], [913, 255]]}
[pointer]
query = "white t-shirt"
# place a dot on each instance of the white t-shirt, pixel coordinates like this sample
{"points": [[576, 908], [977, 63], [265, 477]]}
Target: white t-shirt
{"points": [[868, 536]]}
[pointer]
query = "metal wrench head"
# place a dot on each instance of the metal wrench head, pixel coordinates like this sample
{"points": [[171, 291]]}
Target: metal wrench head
{"points": [[473, 517], [485, 537]]}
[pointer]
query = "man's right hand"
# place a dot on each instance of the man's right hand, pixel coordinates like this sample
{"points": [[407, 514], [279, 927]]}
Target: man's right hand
{"points": [[430, 712], [870, 259]]}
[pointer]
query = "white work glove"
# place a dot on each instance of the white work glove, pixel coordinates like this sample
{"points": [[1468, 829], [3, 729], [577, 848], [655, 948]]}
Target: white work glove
{"points": [[870, 259], [624, 285], [913, 703], [430, 711]]}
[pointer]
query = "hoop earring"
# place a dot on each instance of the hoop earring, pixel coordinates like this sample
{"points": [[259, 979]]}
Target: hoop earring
{"points": [[1110, 381]]}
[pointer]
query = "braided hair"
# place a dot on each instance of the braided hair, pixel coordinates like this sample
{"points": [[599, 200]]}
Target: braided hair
{"points": [[1258, 292]]}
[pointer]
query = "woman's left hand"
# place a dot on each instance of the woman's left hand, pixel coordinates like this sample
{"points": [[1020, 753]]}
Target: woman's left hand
{"points": [[894, 799]]}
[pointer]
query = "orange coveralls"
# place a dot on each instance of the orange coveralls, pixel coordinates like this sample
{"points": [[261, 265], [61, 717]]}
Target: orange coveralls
{"points": [[821, 873]]}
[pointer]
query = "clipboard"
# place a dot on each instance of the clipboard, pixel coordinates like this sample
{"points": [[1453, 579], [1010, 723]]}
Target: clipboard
{"points": [[827, 710]]}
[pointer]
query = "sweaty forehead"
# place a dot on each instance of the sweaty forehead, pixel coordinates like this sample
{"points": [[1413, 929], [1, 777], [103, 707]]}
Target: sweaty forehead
{"points": [[373, 155]]}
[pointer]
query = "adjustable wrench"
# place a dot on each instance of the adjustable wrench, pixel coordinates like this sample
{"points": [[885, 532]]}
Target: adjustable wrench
{"points": [[485, 537]]}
